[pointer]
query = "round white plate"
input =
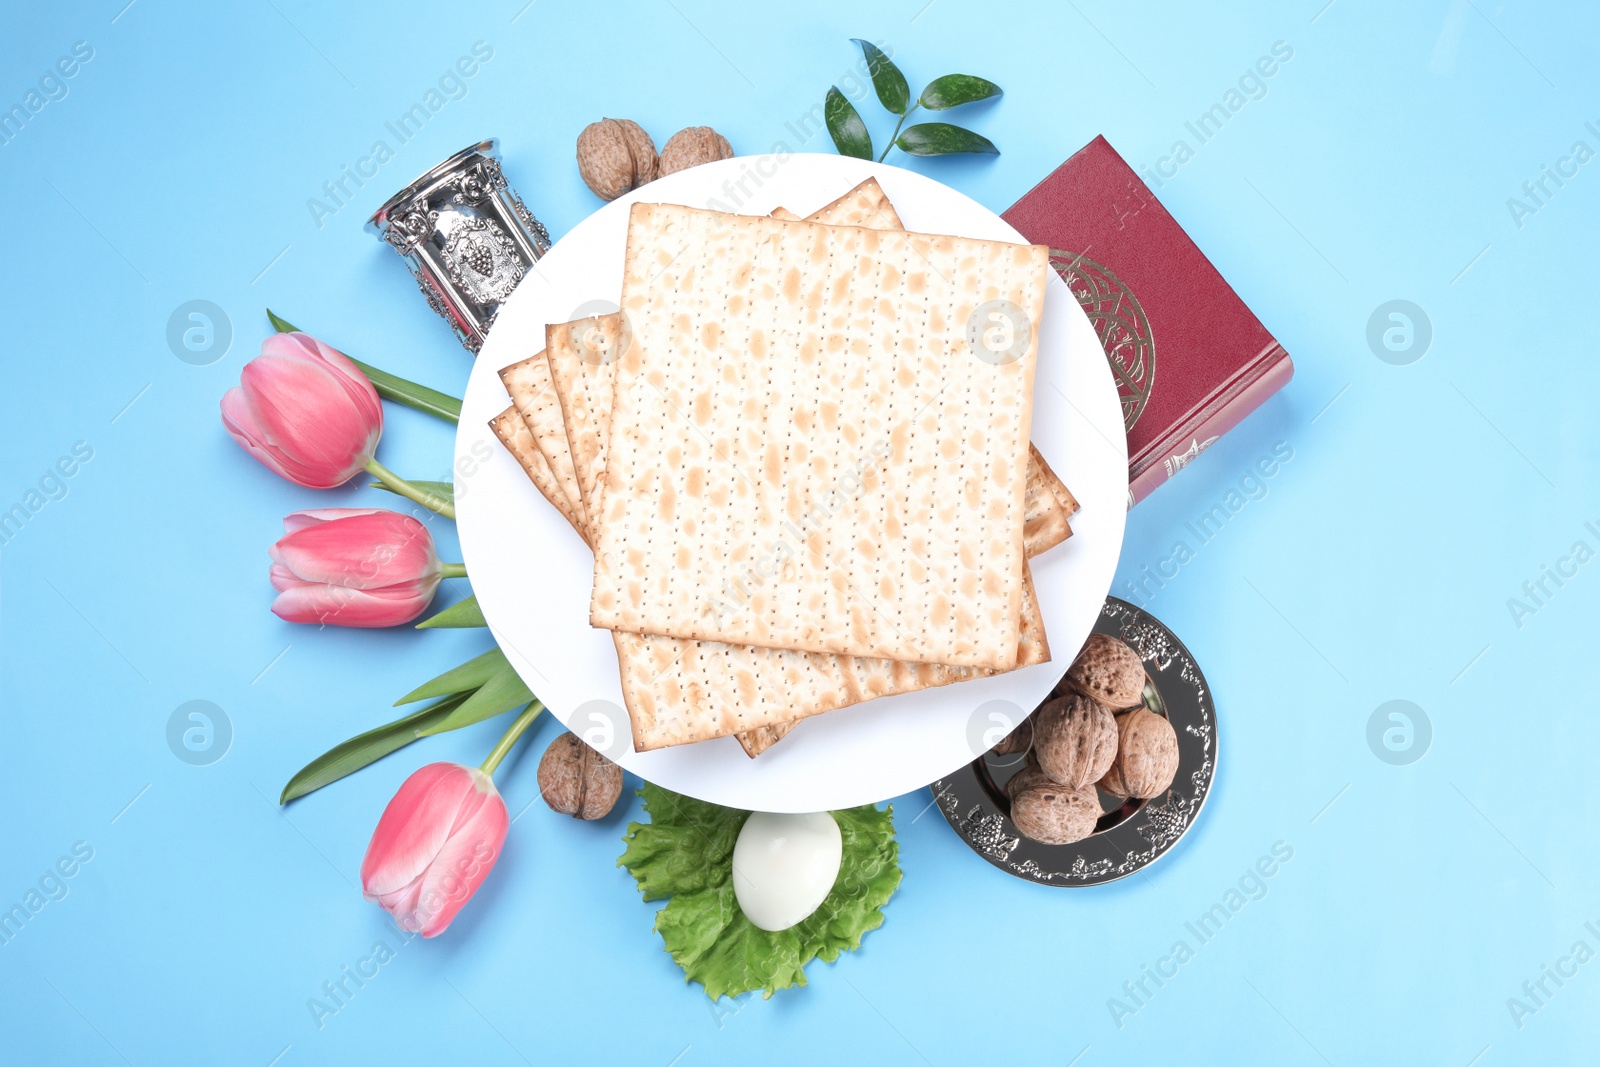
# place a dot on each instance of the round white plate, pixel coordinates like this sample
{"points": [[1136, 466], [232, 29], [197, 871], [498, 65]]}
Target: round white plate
{"points": [[533, 575]]}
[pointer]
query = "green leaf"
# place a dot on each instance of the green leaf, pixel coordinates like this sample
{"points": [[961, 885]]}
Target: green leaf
{"points": [[953, 90], [943, 139], [685, 852], [500, 693], [465, 678], [893, 92], [462, 613], [849, 133], [445, 491], [363, 749], [392, 386]]}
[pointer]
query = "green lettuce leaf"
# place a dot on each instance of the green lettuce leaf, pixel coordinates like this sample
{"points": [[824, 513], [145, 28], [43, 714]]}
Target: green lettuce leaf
{"points": [[685, 853]]}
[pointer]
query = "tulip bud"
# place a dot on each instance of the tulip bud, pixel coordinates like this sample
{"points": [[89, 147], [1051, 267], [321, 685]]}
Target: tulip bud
{"points": [[353, 567], [305, 411], [435, 844]]}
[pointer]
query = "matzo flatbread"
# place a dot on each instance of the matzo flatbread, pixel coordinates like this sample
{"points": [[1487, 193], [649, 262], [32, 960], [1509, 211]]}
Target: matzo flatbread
{"points": [[580, 355], [528, 382], [680, 691], [1057, 487], [806, 684], [513, 432], [805, 451]]}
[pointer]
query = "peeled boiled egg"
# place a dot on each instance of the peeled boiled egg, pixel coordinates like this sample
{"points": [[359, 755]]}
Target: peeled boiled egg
{"points": [[784, 866]]}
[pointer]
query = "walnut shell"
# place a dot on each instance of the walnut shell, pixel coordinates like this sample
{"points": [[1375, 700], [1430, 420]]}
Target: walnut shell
{"points": [[576, 780], [1026, 778], [692, 147], [1147, 756], [1017, 740], [1075, 739], [614, 156], [1108, 670], [1054, 815]]}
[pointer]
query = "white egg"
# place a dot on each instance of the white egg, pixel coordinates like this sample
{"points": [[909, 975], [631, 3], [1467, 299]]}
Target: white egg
{"points": [[784, 866]]}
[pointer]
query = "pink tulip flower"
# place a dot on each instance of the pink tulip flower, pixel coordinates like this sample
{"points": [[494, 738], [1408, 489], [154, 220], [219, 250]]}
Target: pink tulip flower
{"points": [[436, 843], [355, 567], [307, 412]]}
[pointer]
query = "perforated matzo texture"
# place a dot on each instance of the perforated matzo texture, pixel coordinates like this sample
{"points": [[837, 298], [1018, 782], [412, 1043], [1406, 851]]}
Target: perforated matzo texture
{"points": [[529, 384], [703, 677], [513, 432], [805, 452]]}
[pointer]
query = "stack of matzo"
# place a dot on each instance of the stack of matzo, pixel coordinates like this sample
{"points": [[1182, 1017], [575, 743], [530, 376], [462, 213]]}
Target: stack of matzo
{"points": [[804, 488]]}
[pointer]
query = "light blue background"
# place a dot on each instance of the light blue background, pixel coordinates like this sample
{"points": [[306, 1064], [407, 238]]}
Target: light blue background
{"points": [[1377, 565]]}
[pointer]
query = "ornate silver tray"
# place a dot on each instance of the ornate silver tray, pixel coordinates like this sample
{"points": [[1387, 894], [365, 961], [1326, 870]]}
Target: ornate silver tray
{"points": [[1131, 834]]}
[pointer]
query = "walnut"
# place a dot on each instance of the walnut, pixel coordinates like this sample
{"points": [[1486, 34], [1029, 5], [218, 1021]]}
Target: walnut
{"points": [[1026, 778], [692, 147], [1147, 756], [1054, 815], [1075, 738], [576, 780], [1017, 740], [1108, 670], [614, 156]]}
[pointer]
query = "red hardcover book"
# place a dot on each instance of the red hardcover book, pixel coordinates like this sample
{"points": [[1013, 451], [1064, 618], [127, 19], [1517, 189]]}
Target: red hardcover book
{"points": [[1189, 358]]}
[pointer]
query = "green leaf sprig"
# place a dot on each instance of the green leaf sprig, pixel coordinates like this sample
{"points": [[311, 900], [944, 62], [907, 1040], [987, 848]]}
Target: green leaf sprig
{"points": [[850, 134], [685, 852], [479, 689]]}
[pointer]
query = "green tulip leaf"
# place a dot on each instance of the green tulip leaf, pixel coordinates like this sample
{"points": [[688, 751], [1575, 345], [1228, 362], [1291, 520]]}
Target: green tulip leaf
{"points": [[500, 693], [363, 749], [893, 92], [392, 386], [459, 615], [444, 491], [943, 139], [953, 90], [849, 133], [465, 678]]}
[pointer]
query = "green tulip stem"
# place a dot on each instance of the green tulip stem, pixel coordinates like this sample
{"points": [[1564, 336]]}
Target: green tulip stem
{"points": [[409, 491], [524, 721], [452, 570], [896, 134]]}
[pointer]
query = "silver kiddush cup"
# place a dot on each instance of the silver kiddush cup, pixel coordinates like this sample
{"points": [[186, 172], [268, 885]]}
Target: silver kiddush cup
{"points": [[466, 236]]}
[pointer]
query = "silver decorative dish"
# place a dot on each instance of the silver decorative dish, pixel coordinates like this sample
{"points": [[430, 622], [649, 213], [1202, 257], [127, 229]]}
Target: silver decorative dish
{"points": [[1131, 834], [466, 237]]}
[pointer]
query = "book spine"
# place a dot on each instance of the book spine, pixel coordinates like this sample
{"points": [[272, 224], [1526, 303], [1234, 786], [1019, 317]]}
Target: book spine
{"points": [[1178, 454]]}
